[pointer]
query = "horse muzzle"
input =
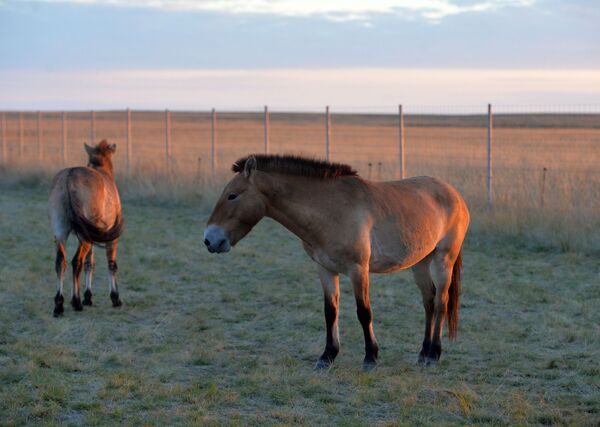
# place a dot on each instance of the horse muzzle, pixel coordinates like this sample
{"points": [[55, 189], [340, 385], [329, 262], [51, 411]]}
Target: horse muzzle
{"points": [[215, 239]]}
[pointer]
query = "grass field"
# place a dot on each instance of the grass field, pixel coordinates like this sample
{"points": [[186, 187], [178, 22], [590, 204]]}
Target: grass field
{"points": [[231, 340]]}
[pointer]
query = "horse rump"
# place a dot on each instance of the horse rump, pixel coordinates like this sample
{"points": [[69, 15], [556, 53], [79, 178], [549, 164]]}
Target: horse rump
{"points": [[85, 229]]}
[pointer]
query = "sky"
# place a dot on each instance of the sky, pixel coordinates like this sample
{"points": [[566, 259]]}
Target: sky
{"points": [[297, 54]]}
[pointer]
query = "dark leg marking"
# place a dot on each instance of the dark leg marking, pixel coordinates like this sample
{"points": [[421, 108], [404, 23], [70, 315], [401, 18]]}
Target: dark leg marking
{"points": [[77, 267], [365, 316], [88, 267], [332, 347], [87, 297], [435, 351], [424, 352], [58, 305], [429, 306], [114, 294], [60, 266], [114, 297], [76, 303]]}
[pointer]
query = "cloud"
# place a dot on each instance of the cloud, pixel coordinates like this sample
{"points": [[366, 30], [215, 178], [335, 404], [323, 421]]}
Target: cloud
{"points": [[336, 10]]}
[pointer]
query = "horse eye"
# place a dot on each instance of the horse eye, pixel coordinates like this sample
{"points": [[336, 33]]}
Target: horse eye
{"points": [[232, 196]]}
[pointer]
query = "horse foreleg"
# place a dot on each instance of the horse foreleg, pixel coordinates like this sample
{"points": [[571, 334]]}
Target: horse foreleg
{"points": [[88, 267], [360, 284], [77, 263], [331, 296], [60, 266], [111, 257], [424, 281]]}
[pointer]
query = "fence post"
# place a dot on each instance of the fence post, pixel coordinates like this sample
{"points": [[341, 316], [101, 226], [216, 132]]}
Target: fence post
{"points": [[266, 130], [489, 157], [402, 168], [327, 134], [213, 144], [543, 187], [39, 137], [64, 138], [4, 152], [92, 127], [168, 140], [20, 136], [129, 141]]}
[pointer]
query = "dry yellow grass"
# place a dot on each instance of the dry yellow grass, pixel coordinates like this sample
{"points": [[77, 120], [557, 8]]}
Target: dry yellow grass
{"points": [[562, 208]]}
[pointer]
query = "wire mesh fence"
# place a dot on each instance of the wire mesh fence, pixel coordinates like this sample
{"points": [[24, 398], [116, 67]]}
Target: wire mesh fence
{"points": [[541, 155]]}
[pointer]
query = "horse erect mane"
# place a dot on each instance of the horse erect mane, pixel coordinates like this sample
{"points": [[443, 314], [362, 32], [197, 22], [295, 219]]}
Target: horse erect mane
{"points": [[296, 165], [103, 147]]}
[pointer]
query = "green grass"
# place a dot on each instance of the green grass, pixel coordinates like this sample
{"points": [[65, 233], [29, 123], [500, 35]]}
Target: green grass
{"points": [[232, 339]]}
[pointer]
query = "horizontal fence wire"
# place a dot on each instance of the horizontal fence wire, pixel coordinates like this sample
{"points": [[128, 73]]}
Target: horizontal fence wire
{"points": [[533, 148]]}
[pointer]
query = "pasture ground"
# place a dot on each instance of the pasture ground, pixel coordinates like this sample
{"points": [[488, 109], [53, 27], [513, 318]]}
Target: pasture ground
{"points": [[232, 339]]}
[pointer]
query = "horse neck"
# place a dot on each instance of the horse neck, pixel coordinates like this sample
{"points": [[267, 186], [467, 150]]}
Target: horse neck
{"points": [[106, 168], [295, 202]]}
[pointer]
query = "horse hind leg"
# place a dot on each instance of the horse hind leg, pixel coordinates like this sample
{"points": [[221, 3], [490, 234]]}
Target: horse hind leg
{"points": [[88, 267], [61, 230], [424, 281], [77, 263], [60, 266], [443, 264], [111, 257]]}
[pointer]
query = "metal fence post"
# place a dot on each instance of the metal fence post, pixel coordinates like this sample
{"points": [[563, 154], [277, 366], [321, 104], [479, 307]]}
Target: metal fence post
{"points": [[4, 151], [64, 138], [39, 137], [213, 144], [402, 168], [266, 130], [20, 136], [168, 140], [327, 134], [92, 126], [489, 157], [129, 141]]}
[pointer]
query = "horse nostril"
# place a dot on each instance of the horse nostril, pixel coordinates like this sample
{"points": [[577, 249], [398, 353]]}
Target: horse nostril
{"points": [[207, 242]]}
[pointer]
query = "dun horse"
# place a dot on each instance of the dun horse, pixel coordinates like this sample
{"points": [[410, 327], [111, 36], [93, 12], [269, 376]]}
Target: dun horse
{"points": [[85, 200], [351, 226]]}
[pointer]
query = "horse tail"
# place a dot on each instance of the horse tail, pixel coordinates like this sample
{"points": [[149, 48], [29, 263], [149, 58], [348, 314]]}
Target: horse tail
{"points": [[85, 229], [454, 298]]}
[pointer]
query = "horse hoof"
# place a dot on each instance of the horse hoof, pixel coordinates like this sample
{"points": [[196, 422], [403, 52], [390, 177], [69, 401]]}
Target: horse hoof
{"points": [[114, 297], [323, 364], [87, 298], [421, 360], [58, 311], [76, 304]]}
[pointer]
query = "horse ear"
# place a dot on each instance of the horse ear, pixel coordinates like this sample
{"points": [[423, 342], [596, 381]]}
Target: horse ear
{"points": [[88, 149], [250, 166], [112, 148]]}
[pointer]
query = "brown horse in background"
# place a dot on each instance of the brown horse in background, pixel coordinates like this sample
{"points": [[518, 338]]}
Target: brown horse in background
{"points": [[353, 226], [85, 200]]}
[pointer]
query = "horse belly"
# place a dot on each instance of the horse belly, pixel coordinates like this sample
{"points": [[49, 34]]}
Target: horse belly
{"points": [[389, 254]]}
